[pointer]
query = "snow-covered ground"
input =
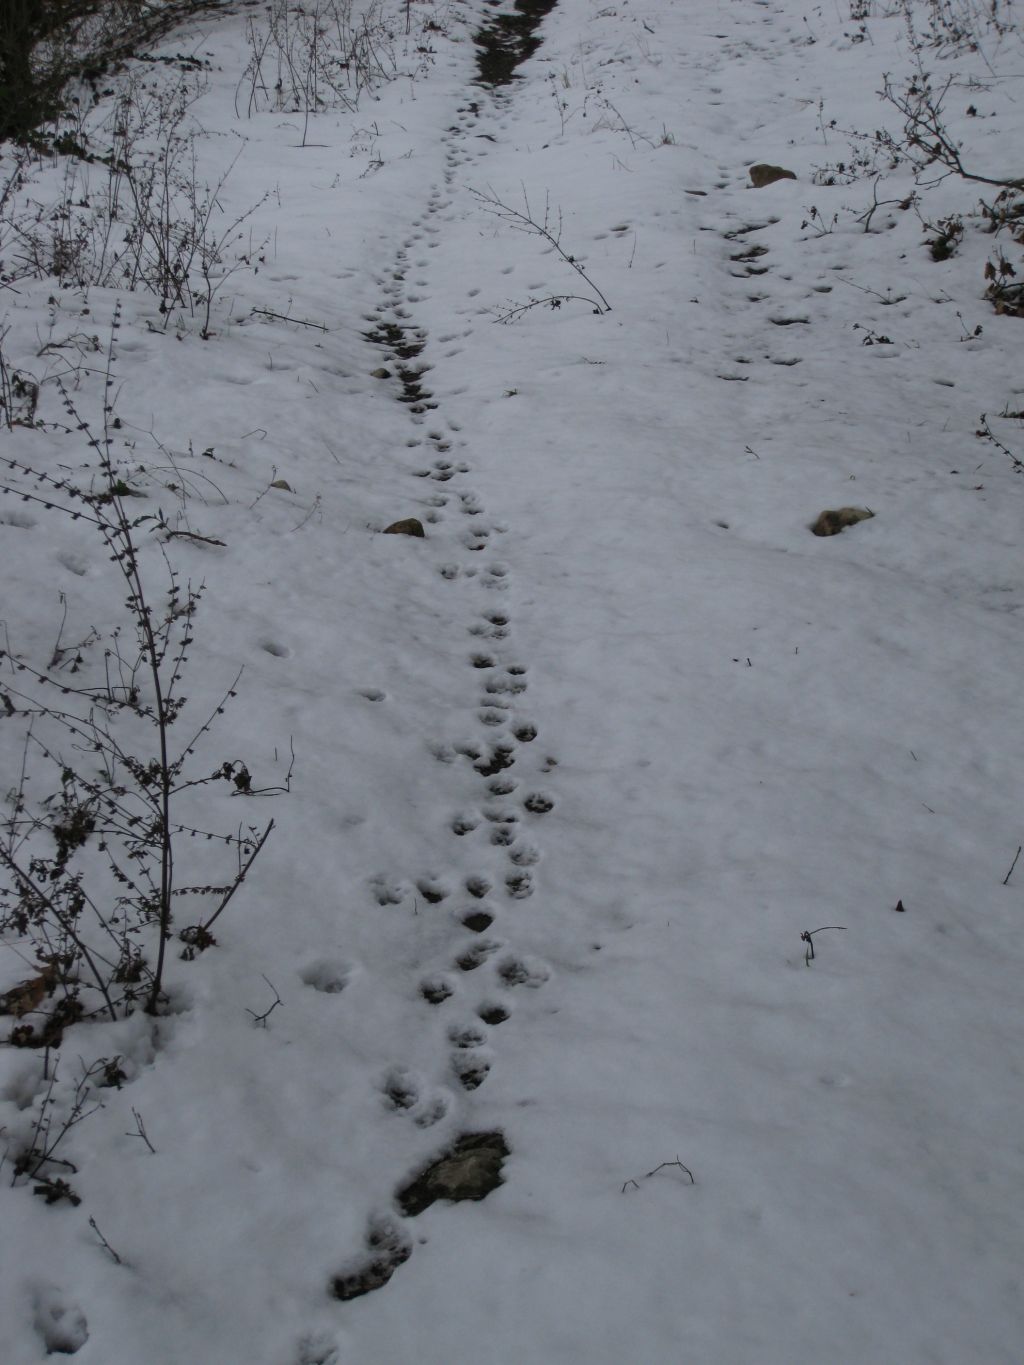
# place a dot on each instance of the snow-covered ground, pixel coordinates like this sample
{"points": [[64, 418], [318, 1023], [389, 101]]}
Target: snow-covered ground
{"points": [[618, 698]]}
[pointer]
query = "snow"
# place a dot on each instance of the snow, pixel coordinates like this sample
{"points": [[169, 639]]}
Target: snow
{"points": [[745, 731]]}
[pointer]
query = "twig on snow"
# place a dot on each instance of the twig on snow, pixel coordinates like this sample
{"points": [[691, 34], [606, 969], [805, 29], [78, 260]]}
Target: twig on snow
{"points": [[660, 1167]]}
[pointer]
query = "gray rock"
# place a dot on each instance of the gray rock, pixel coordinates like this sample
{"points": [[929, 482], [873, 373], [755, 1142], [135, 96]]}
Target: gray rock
{"points": [[471, 1170]]}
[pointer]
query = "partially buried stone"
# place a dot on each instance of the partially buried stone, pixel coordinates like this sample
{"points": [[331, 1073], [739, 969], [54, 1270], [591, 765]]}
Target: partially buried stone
{"points": [[471, 1170], [408, 526], [762, 174], [836, 519]]}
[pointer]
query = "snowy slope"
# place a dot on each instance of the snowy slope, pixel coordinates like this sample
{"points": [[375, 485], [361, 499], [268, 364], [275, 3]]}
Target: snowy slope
{"points": [[718, 731]]}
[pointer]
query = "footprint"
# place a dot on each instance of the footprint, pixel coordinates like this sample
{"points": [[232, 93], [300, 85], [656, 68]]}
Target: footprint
{"points": [[500, 815], [318, 1348], [432, 1110], [503, 836], [492, 1014], [328, 975], [388, 1246], [478, 886], [400, 1088], [432, 889], [519, 885], [525, 733], [490, 716], [502, 786], [501, 757], [386, 891], [476, 921], [524, 855], [471, 1069], [436, 990], [74, 564], [59, 1322], [504, 686], [520, 971], [537, 803], [476, 956], [466, 1035], [464, 824]]}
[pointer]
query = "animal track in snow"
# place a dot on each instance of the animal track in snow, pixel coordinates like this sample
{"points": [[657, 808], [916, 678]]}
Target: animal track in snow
{"points": [[519, 885], [386, 891], [466, 1036], [522, 971], [436, 989], [476, 921], [504, 686], [432, 889], [478, 886], [327, 974], [400, 1088], [538, 803], [388, 1246], [477, 955], [471, 1068], [502, 756], [59, 1322], [492, 1014]]}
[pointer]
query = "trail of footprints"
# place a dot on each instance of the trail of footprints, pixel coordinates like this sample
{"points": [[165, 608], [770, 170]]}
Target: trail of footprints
{"points": [[469, 990], [505, 799]]}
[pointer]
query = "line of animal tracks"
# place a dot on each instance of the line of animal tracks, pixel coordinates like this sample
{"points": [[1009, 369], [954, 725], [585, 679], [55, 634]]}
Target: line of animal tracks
{"points": [[489, 861]]}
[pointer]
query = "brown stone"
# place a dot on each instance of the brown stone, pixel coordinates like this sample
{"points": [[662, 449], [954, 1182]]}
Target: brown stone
{"points": [[762, 174], [836, 519], [408, 526]]}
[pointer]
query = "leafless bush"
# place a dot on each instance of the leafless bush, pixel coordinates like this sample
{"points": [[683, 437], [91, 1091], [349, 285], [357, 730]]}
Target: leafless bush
{"points": [[311, 57], [89, 871], [139, 217]]}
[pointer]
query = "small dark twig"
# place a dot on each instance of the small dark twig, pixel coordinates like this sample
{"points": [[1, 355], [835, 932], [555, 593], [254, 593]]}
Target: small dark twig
{"points": [[660, 1167], [242, 872], [140, 1131], [985, 433], [283, 317], [808, 937], [1012, 865], [678, 1163], [192, 535], [262, 1018], [103, 1241]]}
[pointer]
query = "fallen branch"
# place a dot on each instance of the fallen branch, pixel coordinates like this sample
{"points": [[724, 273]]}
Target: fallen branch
{"points": [[660, 1167], [284, 317]]}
